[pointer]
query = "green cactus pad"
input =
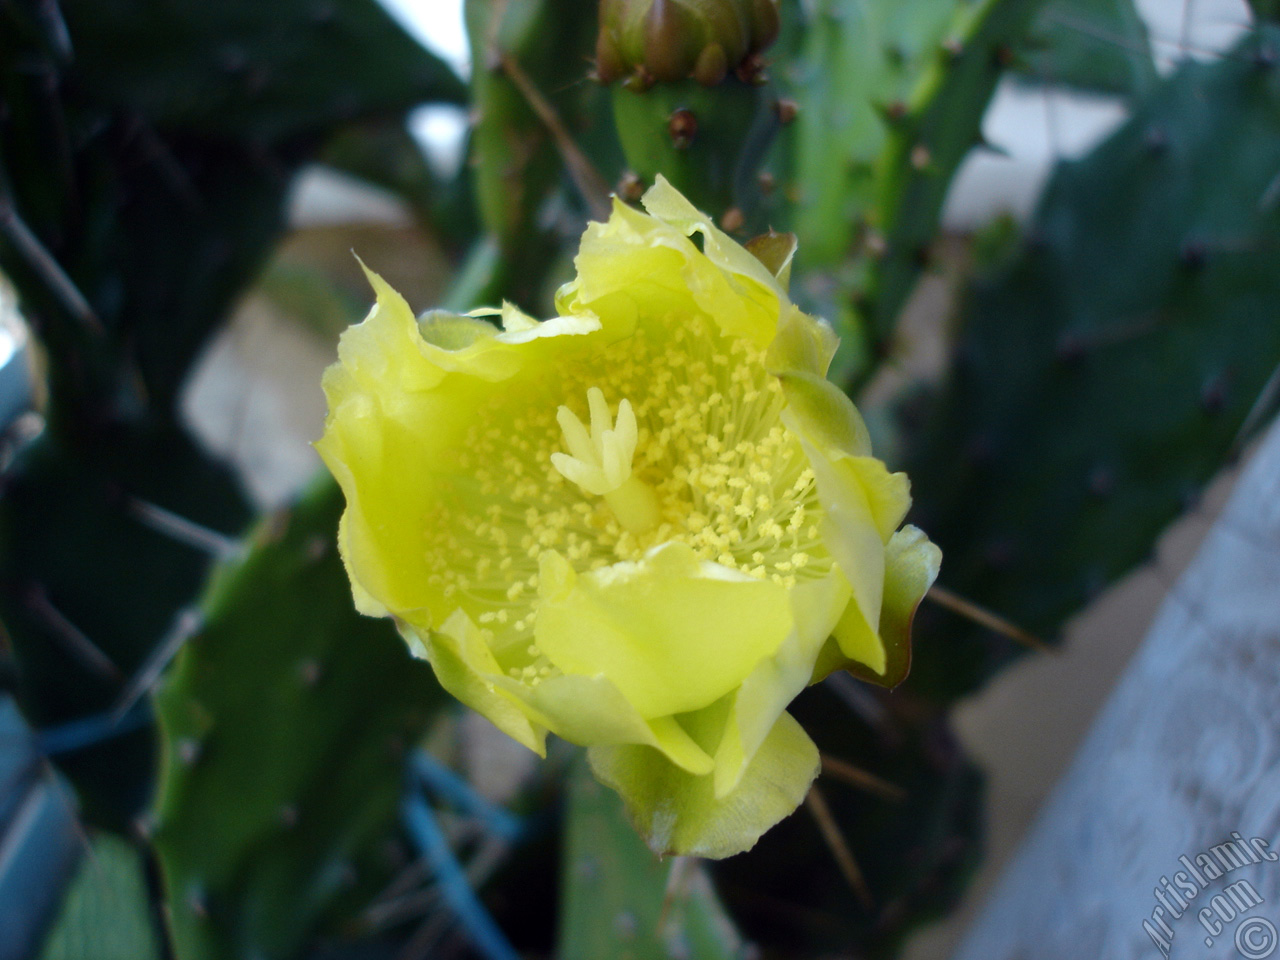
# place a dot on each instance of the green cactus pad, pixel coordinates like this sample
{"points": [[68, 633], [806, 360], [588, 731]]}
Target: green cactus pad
{"points": [[856, 67], [618, 899], [1104, 372], [284, 722], [942, 122], [107, 914], [709, 142], [83, 569], [253, 70], [1098, 46], [139, 196], [515, 161]]}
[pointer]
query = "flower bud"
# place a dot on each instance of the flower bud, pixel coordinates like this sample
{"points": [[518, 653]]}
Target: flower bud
{"points": [[646, 41]]}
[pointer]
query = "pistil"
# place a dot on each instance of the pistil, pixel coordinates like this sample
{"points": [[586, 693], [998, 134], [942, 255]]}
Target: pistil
{"points": [[599, 461]]}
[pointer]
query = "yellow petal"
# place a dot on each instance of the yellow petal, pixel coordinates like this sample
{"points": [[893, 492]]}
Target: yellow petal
{"points": [[821, 415], [668, 204], [803, 344], [774, 683], [673, 632], [650, 262], [849, 530], [365, 602], [467, 669], [858, 641], [591, 710], [888, 494], [400, 403]]}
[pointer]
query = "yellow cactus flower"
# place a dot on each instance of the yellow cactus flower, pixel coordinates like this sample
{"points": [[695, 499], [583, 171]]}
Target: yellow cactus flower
{"points": [[643, 525]]}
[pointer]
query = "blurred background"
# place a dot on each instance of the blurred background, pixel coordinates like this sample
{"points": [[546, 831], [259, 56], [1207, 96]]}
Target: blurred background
{"points": [[1046, 232]]}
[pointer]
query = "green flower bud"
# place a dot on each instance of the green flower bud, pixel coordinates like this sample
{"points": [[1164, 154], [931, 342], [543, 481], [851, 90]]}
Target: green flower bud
{"points": [[646, 41]]}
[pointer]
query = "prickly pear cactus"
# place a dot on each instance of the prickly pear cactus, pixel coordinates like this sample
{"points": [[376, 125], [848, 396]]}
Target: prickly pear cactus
{"points": [[1106, 369], [138, 197], [518, 161], [283, 725], [107, 913], [709, 142], [619, 899], [941, 122], [248, 72], [1099, 46], [854, 71], [890, 99]]}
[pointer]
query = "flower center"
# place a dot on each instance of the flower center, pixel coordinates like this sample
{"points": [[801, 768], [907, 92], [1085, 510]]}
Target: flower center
{"points": [[698, 455], [599, 461]]}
